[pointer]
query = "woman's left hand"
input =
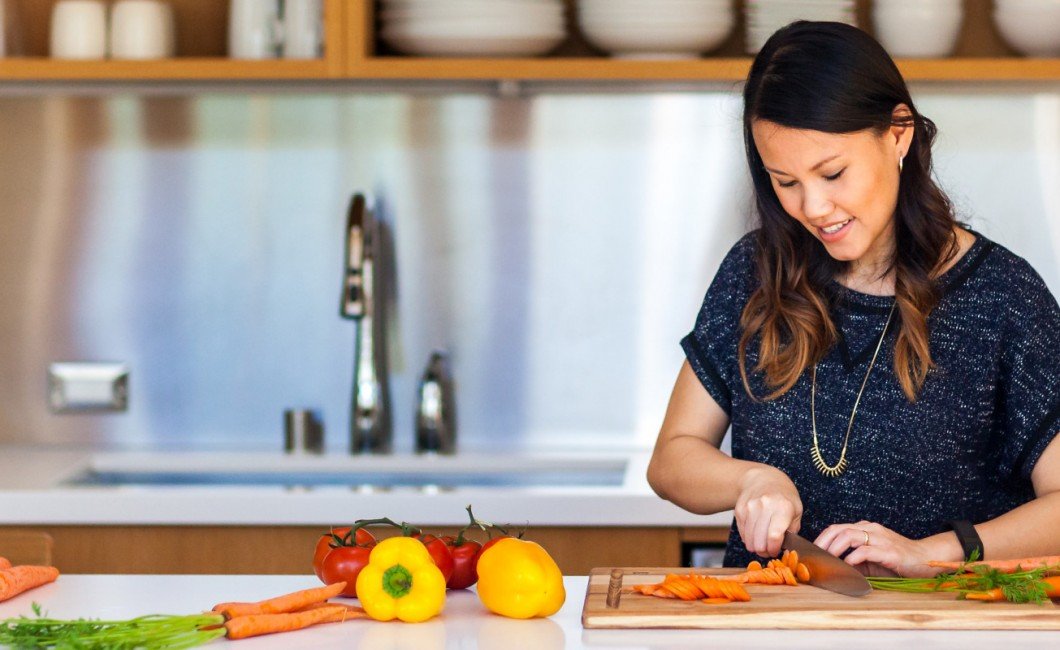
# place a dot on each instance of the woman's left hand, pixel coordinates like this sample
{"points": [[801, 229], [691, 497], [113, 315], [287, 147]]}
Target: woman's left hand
{"points": [[878, 551]]}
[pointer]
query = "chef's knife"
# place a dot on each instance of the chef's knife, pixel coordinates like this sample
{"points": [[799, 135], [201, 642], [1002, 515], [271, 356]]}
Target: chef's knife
{"points": [[826, 570]]}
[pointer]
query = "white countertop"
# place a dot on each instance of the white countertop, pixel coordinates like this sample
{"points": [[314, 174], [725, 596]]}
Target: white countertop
{"points": [[464, 624], [34, 490]]}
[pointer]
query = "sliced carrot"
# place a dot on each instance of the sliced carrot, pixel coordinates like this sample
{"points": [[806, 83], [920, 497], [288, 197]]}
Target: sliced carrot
{"points": [[754, 565], [791, 558], [4, 563], [243, 627], [281, 604], [802, 573], [19, 579], [715, 601]]}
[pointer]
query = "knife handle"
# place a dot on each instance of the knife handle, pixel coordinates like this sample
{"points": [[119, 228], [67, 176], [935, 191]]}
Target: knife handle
{"points": [[614, 589]]}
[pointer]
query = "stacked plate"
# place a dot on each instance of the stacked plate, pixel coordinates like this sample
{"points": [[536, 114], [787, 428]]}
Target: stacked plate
{"points": [[473, 27], [1031, 27], [767, 16], [656, 28]]}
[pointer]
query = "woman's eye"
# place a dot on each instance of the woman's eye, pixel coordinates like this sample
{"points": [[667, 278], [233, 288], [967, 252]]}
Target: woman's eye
{"points": [[788, 184], [835, 175]]}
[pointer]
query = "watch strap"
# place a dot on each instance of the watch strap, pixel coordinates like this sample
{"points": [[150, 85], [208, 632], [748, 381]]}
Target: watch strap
{"points": [[968, 538]]}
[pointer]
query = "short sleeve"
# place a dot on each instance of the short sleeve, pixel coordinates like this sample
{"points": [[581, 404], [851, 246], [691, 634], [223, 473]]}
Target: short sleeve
{"points": [[1029, 374], [711, 345]]}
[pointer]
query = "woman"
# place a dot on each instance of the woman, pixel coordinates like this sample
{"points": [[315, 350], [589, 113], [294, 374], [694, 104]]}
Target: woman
{"points": [[890, 376]]}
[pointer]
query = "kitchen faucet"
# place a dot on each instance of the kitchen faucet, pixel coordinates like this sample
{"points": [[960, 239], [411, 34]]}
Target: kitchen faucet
{"points": [[363, 302]]}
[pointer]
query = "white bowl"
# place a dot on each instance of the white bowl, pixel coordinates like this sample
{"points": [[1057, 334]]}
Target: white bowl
{"points": [[660, 41], [930, 35], [1030, 31]]}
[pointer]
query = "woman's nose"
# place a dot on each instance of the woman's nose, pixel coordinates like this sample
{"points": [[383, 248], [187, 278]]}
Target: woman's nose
{"points": [[816, 204]]}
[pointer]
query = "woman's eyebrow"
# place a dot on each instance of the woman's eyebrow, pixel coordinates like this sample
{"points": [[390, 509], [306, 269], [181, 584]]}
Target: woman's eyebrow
{"points": [[814, 168]]}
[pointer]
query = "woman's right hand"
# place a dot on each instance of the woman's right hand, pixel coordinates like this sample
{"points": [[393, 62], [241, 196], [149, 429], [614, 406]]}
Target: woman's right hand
{"points": [[768, 505]]}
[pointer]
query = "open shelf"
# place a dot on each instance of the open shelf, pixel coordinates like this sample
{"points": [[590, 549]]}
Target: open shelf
{"points": [[354, 53]]}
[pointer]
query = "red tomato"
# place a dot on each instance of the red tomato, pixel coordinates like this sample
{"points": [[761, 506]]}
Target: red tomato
{"points": [[465, 559], [439, 551], [364, 538], [345, 563]]}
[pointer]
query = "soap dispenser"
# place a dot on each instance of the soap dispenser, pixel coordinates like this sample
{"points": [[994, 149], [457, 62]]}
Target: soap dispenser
{"points": [[436, 408]]}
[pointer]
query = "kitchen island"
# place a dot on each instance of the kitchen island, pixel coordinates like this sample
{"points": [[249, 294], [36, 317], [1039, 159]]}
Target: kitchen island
{"points": [[241, 527], [464, 624]]}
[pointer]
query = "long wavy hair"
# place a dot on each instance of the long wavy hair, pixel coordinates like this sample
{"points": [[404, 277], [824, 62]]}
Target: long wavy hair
{"points": [[835, 78]]}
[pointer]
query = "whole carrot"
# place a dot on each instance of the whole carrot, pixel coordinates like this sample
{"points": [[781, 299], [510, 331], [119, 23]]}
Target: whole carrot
{"points": [[19, 579], [343, 612], [245, 627], [281, 604], [1004, 566]]}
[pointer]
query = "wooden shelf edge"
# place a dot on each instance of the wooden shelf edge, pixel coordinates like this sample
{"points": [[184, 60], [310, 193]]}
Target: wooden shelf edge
{"points": [[720, 69], [413, 69], [44, 69]]}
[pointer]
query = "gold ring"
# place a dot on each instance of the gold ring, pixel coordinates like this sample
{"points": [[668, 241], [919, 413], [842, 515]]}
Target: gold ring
{"points": [[866, 534]]}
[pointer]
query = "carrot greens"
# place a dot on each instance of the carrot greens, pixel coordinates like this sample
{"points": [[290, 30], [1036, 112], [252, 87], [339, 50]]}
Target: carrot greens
{"points": [[147, 632], [975, 581]]}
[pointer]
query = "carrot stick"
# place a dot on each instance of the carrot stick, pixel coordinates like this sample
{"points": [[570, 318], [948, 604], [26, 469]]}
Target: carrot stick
{"points": [[18, 579], [988, 595], [250, 625], [4, 563], [1004, 566], [281, 604]]}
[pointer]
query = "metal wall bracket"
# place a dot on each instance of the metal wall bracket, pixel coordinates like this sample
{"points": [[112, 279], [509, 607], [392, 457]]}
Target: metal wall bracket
{"points": [[79, 387]]}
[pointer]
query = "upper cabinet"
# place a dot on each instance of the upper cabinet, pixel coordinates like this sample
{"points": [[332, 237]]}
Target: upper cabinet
{"points": [[354, 49]]}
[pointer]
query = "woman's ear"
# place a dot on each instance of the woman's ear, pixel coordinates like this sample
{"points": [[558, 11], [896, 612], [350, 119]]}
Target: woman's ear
{"points": [[902, 129]]}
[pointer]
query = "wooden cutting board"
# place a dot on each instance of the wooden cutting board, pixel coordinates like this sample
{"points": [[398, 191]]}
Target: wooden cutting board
{"points": [[801, 607]]}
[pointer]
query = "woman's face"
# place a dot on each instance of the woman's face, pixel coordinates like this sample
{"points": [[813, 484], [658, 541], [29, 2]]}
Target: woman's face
{"points": [[843, 188]]}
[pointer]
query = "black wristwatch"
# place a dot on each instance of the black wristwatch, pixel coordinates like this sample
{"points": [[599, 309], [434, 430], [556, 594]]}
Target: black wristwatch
{"points": [[969, 539]]}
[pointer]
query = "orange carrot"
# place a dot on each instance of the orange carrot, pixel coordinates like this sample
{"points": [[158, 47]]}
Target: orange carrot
{"points": [[754, 565], [281, 604], [342, 612], [4, 563], [250, 625], [22, 578], [988, 595], [715, 601], [802, 573], [1004, 566]]}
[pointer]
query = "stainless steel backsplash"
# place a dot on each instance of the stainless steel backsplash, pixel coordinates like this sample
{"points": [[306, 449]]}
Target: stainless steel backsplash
{"points": [[557, 245]]}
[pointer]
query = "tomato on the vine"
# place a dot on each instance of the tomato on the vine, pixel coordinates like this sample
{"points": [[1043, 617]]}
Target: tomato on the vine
{"points": [[439, 551], [344, 563], [465, 557], [363, 538]]}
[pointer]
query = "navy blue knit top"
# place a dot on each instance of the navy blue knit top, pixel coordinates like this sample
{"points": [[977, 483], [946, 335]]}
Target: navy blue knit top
{"points": [[964, 450]]}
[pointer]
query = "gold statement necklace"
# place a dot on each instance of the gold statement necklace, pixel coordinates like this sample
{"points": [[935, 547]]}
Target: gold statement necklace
{"points": [[833, 471]]}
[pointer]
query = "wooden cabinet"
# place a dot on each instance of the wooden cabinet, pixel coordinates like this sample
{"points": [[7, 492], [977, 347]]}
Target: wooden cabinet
{"points": [[289, 549], [354, 53], [202, 35]]}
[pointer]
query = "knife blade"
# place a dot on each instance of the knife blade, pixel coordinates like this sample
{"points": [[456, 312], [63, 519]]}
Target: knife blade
{"points": [[826, 570]]}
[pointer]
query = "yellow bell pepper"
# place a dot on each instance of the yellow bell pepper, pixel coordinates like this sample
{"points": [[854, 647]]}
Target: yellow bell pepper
{"points": [[401, 581], [519, 579]]}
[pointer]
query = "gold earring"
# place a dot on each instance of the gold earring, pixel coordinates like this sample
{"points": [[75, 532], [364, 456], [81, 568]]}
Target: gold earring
{"points": [[901, 162]]}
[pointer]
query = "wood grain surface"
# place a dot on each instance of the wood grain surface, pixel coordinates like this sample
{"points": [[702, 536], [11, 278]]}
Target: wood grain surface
{"points": [[801, 607]]}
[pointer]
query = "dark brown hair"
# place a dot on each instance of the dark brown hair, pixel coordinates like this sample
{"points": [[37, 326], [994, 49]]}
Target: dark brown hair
{"points": [[835, 78]]}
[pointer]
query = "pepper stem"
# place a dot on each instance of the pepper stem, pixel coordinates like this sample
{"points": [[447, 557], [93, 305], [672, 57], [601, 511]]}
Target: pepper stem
{"points": [[397, 581]]}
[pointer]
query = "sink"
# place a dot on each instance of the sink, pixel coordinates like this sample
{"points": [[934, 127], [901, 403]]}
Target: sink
{"points": [[470, 470]]}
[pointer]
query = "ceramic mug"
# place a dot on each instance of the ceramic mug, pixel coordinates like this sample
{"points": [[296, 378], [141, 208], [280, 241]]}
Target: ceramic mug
{"points": [[142, 29], [79, 29], [254, 29], [303, 29]]}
